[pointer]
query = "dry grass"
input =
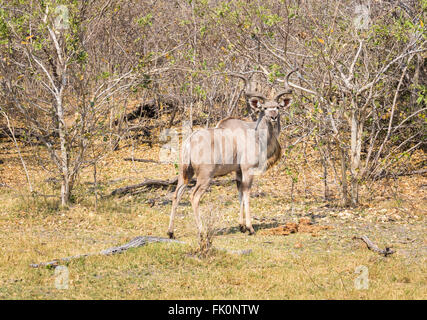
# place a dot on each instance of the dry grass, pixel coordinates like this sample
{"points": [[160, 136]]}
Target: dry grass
{"points": [[297, 266]]}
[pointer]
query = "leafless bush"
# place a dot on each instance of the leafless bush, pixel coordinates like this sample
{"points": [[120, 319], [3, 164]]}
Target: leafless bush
{"points": [[360, 92], [211, 219]]}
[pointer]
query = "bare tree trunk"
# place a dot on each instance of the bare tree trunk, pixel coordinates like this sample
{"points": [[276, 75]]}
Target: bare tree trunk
{"points": [[325, 180], [65, 183], [356, 147], [344, 185], [324, 161], [95, 186]]}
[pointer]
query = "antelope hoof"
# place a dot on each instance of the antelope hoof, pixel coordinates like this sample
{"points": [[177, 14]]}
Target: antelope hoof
{"points": [[242, 228], [251, 231], [171, 235]]}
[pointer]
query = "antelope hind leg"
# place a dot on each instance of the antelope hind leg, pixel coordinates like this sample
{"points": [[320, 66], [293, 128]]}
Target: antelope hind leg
{"points": [[175, 201]]}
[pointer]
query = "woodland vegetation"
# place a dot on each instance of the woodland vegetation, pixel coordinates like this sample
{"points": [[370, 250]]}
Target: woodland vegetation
{"points": [[83, 81], [70, 71]]}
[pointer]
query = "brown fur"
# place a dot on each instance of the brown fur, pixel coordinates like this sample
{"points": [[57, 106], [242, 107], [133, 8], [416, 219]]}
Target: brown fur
{"points": [[229, 118], [269, 120], [187, 172], [274, 156]]}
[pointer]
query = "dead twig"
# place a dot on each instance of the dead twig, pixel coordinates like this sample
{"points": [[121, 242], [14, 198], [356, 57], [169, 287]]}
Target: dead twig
{"points": [[387, 174], [140, 160], [134, 243], [372, 246], [153, 183], [149, 183]]}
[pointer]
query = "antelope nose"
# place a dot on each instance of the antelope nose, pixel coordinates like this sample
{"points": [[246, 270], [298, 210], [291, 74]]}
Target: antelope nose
{"points": [[274, 118]]}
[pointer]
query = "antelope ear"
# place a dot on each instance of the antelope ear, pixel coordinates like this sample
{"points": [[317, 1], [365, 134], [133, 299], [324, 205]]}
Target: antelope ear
{"points": [[255, 102], [285, 103]]}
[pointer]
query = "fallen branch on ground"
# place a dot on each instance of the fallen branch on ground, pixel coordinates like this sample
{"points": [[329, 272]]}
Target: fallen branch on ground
{"points": [[134, 243], [153, 183], [149, 183], [140, 160], [410, 173], [400, 174], [372, 246]]}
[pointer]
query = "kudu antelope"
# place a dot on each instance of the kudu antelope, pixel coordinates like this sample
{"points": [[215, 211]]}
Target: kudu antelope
{"points": [[234, 145]]}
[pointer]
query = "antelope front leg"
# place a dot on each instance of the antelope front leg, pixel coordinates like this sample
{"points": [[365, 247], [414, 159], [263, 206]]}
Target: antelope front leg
{"points": [[242, 225], [246, 188], [246, 195], [175, 201]]}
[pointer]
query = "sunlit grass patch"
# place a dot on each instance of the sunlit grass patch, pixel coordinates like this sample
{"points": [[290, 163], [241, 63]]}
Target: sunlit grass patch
{"points": [[297, 266]]}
